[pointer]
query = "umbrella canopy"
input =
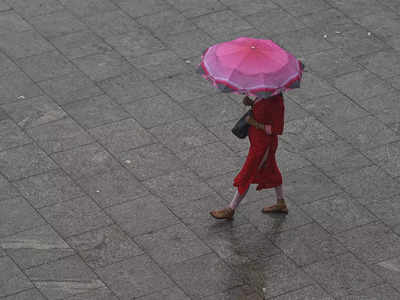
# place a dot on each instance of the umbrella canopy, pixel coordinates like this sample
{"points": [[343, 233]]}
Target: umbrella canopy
{"points": [[250, 66]]}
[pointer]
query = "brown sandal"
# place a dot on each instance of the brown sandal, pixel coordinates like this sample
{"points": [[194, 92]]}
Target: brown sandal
{"points": [[276, 208], [225, 213]]}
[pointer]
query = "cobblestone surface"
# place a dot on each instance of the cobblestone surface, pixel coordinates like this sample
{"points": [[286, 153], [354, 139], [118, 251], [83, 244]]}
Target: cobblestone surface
{"points": [[113, 151]]}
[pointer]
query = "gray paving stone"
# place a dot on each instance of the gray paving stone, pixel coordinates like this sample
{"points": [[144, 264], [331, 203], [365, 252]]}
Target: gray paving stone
{"points": [[339, 213], [12, 279], [337, 157], [137, 8], [167, 294], [269, 224], [293, 111], [302, 42], [113, 187], [34, 111], [57, 23], [3, 115], [24, 161], [183, 135], [70, 87], [171, 245], [361, 85], [387, 157], [211, 110], [122, 135], [304, 8], [241, 244], [129, 88], [273, 21], [135, 43], [368, 183], [210, 160], [223, 185], [289, 160], [7, 190], [277, 274], [328, 21], [331, 63], [48, 188], [218, 24], [4, 6], [224, 134], [144, 215], [86, 161], [243, 292], [308, 244], [95, 111], [102, 293], [203, 276], [110, 23], [356, 41], [151, 161], [103, 65], [386, 109], [24, 44], [31, 294], [36, 246], [342, 275], [242, 9], [311, 292], [161, 64], [12, 23], [196, 216], [192, 8], [384, 291], [75, 216], [190, 43], [104, 246], [386, 210], [178, 187], [185, 87], [155, 111], [312, 86], [30, 8], [7, 66], [65, 277], [389, 270], [16, 86], [354, 9], [46, 65], [59, 135], [372, 243], [334, 110], [135, 277], [166, 22], [17, 215], [366, 133], [80, 44], [11, 135], [307, 133], [384, 63], [88, 8]]}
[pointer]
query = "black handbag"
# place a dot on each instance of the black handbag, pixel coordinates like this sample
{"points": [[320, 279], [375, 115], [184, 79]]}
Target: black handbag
{"points": [[241, 127]]}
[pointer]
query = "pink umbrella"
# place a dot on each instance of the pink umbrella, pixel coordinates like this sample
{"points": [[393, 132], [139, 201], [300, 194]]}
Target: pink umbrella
{"points": [[250, 66]]}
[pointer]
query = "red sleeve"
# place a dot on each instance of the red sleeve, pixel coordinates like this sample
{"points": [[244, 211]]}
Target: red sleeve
{"points": [[278, 118]]}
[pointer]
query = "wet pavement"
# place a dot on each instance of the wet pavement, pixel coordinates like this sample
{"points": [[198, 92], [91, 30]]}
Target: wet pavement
{"points": [[113, 151]]}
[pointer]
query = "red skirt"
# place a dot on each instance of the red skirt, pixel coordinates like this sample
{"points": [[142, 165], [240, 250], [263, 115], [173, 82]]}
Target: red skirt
{"points": [[266, 176]]}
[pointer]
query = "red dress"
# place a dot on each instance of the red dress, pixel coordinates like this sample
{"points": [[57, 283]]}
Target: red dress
{"points": [[266, 111]]}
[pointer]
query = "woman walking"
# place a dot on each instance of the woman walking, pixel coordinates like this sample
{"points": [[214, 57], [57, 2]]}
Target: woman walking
{"points": [[260, 166], [262, 69]]}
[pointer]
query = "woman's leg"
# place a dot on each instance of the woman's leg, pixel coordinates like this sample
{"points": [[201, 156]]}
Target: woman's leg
{"points": [[237, 198], [279, 193]]}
